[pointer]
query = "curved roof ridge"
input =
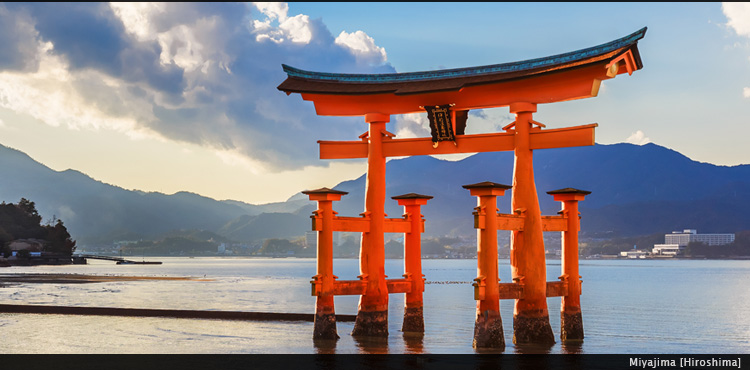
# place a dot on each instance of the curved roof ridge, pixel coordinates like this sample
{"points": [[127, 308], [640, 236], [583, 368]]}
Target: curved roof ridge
{"points": [[471, 71]]}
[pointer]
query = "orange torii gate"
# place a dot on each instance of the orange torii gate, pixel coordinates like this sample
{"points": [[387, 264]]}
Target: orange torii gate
{"points": [[521, 86]]}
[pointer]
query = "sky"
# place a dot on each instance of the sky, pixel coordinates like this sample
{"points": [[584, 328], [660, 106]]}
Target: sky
{"points": [[182, 96]]}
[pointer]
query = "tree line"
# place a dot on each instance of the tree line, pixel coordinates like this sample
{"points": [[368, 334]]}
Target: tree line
{"points": [[22, 221]]}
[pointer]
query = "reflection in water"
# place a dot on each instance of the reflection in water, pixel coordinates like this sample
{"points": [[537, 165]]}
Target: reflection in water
{"points": [[371, 345], [414, 342], [622, 308], [489, 351], [325, 346], [572, 347], [544, 349]]}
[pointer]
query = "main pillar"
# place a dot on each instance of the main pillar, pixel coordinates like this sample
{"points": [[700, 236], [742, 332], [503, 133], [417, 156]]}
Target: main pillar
{"points": [[325, 315], [571, 322], [488, 325], [530, 316], [413, 308], [372, 315]]}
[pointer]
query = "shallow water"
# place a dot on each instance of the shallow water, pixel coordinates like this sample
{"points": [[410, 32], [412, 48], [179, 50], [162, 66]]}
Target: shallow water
{"points": [[629, 306]]}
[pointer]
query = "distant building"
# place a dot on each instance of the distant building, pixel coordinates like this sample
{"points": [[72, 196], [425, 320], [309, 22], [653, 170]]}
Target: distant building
{"points": [[685, 237], [676, 242], [635, 253], [35, 246], [667, 249]]}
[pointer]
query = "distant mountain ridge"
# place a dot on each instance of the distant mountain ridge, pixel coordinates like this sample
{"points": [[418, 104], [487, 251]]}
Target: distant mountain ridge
{"points": [[94, 211], [636, 190]]}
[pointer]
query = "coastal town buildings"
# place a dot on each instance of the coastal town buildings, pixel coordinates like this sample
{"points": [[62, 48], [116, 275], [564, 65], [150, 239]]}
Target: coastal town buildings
{"points": [[676, 242]]}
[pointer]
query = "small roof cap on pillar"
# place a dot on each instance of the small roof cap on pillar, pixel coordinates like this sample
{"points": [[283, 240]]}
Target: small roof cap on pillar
{"points": [[568, 194], [412, 196], [412, 199], [487, 188], [324, 194], [487, 184], [324, 191], [569, 191]]}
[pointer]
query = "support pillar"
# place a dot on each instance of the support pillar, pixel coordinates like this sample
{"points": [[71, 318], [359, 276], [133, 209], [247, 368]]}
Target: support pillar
{"points": [[413, 308], [571, 322], [323, 281], [488, 326], [372, 314], [530, 316]]}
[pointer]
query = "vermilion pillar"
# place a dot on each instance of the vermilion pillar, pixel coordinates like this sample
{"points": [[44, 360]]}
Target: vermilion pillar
{"points": [[325, 315], [527, 259], [488, 326], [571, 322], [413, 309], [372, 316]]}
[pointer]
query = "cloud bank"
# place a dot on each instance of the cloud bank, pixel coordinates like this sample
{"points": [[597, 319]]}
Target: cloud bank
{"points": [[201, 73]]}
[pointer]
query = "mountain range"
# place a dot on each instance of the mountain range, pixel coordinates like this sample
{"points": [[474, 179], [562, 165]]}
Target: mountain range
{"points": [[636, 190]]}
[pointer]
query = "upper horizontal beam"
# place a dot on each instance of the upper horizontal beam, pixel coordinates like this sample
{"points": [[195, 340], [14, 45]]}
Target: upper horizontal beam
{"points": [[497, 142]]}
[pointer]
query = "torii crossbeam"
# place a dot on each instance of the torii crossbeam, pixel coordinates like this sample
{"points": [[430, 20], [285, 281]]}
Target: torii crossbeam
{"points": [[521, 86]]}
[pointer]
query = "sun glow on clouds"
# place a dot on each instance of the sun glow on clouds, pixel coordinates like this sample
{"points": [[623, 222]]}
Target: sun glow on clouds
{"points": [[50, 95], [195, 75]]}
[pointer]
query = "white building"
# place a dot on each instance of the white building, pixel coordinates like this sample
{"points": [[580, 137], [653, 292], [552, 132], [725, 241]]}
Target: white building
{"points": [[676, 242], [633, 254], [683, 238], [667, 249]]}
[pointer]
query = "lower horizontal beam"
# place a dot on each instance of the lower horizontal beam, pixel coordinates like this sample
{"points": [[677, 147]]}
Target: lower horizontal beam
{"points": [[357, 287], [516, 222], [554, 223], [515, 290]]}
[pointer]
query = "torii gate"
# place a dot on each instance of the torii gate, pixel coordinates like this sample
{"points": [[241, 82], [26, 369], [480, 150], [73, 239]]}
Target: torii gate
{"points": [[521, 86]]}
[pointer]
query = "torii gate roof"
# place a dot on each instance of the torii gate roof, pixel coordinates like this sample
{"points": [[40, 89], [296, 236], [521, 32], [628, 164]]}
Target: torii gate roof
{"points": [[561, 77]]}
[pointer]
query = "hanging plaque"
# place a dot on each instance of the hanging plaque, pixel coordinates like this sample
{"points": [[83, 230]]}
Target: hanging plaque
{"points": [[441, 126]]}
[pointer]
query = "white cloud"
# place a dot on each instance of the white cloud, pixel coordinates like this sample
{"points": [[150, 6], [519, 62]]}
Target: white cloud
{"points": [[295, 29], [138, 17], [738, 16], [412, 125], [638, 138], [180, 45], [274, 11], [363, 47], [184, 73], [55, 86], [738, 19]]}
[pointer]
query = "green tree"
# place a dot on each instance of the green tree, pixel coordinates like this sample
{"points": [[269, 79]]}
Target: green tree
{"points": [[59, 239]]}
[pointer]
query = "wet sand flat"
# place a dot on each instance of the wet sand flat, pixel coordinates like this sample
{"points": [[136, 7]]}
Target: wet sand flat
{"points": [[83, 279]]}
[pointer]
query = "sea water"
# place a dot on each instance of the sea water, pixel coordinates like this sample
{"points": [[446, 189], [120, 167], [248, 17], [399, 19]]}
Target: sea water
{"points": [[629, 306]]}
